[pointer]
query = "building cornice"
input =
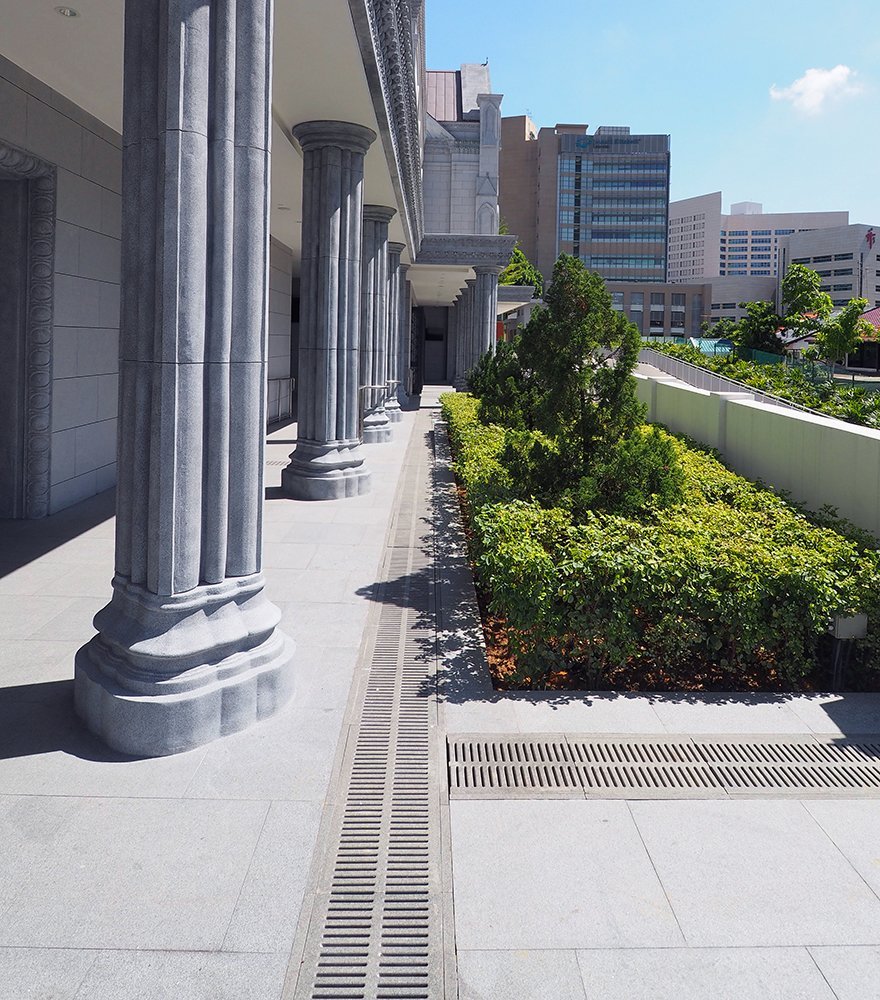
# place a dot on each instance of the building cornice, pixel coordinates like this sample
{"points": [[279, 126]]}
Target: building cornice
{"points": [[466, 250]]}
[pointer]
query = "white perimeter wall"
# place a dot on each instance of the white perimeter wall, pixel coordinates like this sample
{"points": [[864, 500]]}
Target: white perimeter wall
{"points": [[818, 460]]}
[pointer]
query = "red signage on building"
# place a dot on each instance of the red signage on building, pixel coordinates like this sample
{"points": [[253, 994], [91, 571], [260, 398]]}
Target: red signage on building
{"points": [[870, 237]]}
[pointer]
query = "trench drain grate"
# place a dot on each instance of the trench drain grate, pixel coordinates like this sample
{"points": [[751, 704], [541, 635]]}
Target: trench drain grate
{"points": [[577, 767]]}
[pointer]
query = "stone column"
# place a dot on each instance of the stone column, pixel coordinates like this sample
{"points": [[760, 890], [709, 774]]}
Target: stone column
{"points": [[328, 461], [471, 335], [486, 301], [374, 324], [458, 311], [404, 336], [188, 649], [392, 406]]}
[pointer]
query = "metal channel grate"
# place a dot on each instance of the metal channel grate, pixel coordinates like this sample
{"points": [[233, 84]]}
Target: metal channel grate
{"points": [[376, 929], [576, 767]]}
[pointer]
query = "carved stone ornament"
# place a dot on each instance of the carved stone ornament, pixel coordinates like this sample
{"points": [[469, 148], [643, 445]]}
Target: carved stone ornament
{"points": [[18, 164], [466, 251], [392, 64]]}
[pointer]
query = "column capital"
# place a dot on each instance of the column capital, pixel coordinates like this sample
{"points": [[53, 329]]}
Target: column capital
{"points": [[379, 213], [470, 282], [487, 269], [345, 135], [397, 248]]}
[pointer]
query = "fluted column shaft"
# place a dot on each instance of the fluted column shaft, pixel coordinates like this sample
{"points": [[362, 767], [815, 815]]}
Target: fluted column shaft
{"points": [[374, 323], [471, 330], [486, 299], [404, 338], [458, 312], [392, 406], [328, 461], [188, 647]]}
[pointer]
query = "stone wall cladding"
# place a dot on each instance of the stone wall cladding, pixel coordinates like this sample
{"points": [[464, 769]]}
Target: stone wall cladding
{"points": [[87, 252]]}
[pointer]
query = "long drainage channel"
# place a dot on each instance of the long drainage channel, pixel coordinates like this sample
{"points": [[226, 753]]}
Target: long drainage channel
{"points": [[375, 926]]}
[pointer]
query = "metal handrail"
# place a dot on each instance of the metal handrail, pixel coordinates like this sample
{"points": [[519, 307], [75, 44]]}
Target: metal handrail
{"points": [[759, 394]]}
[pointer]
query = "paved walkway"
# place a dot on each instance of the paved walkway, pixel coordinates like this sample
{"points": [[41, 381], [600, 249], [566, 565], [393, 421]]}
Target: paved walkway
{"points": [[185, 877]]}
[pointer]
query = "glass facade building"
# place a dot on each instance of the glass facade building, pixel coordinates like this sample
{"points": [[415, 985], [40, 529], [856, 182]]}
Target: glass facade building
{"points": [[613, 200]]}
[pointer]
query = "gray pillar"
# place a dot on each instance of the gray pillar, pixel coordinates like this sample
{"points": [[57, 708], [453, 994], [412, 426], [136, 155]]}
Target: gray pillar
{"points": [[328, 461], [374, 323], [486, 301], [392, 406], [188, 648], [458, 322], [471, 333], [404, 340]]}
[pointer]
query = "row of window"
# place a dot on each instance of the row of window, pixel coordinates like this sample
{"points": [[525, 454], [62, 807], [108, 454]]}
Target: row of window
{"points": [[579, 164], [573, 233], [824, 259], [636, 262], [756, 232]]}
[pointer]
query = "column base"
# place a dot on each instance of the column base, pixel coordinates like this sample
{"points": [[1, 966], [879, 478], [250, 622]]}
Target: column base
{"points": [[331, 471], [392, 410], [168, 674], [377, 427]]}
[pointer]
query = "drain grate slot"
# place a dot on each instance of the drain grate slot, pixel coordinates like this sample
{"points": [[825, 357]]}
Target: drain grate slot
{"points": [[574, 767], [375, 930]]}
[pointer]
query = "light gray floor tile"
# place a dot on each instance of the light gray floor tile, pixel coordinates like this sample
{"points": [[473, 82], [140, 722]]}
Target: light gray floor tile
{"points": [[722, 713], [288, 757], [268, 908], [323, 676], [755, 873], [24, 617], [845, 714], [854, 826], [31, 829], [494, 714], [288, 555], [330, 625], [72, 622], [25, 662], [703, 974], [853, 973], [554, 875], [575, 712], [519, 975], [184, 976], [131, 873], [43, 973]]}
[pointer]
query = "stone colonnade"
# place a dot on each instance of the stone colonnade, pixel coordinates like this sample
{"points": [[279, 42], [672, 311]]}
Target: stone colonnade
{"points": [[474, 321], [189, 648]]}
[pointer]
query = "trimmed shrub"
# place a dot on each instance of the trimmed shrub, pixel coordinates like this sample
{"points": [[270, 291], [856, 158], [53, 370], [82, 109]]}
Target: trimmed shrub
{"points": [[731, 577]]}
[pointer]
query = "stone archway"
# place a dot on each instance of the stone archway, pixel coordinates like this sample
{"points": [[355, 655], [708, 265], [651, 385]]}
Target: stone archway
{"points": [[27, 278]]}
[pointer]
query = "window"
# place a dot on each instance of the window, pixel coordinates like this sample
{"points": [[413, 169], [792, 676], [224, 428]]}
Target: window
{"points": [[842, 256], [728, 305], [617, 301], [760, 256], [843, 270], [802, 260], [737, 241], [637, 300], [783, 232], [760, 232], [766, 240], [842, 288], [761, 273], [738, 232], [824, 274], [716, 305], [819, 260], [738, 256], [678, 299], [658, 298]]}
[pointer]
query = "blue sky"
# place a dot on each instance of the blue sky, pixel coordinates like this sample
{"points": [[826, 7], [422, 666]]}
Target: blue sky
{"points": [[704, 74]]}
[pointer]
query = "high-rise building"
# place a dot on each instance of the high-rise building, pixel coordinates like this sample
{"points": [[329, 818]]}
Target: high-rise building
{"points": [[846, 258], [602, 197], [706, 243]]}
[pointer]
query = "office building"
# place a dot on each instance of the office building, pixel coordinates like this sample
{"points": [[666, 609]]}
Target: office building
{"points": [[846, 258], [706, 243], [602, 197]]}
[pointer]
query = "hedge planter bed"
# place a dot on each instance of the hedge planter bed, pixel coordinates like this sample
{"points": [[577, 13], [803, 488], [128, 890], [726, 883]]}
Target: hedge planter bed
{"points": [[729, 587]]}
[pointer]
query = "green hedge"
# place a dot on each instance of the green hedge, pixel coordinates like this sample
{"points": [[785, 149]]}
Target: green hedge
{"points": [[735, 578]]}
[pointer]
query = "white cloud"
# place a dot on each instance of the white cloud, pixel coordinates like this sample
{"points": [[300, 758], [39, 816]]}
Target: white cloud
{"points": [[816, 87]]}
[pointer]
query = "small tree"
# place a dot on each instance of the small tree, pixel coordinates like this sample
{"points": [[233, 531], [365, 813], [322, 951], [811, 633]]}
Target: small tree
{"points": [[805, 307], [843, 333], [521, 271], [759, 329]]}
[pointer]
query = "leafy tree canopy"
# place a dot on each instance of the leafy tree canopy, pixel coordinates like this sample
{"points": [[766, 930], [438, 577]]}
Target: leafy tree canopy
{"points": [[842, 334]]}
